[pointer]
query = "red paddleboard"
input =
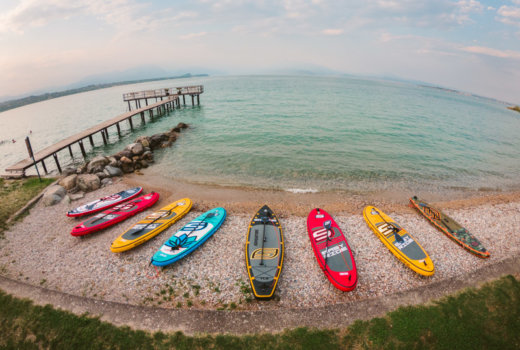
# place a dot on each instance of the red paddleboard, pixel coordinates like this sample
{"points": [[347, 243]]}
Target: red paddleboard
{"points": [[332, 250], [116, 214], [105, 202]]}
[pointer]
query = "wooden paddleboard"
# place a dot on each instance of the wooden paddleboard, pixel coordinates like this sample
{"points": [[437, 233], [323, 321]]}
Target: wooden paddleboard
{"points": [[332, 250], [190, 237], [264, 252], [399, 241], [151, 225], [450, 228], [105, 202], [115, 215]]}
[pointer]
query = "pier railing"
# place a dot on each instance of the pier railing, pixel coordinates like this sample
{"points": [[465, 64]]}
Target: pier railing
{"points": [[158, 93]]}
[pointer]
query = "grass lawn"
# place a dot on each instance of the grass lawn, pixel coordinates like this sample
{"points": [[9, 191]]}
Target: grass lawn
{"points": [[14, 194], [484, 318]]}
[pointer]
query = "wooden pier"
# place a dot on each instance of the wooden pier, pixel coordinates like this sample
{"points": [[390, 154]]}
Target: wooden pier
{"points": [[166, 100]]}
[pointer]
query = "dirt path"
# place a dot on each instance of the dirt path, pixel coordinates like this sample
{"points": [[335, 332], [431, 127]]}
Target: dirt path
{"points": [[239, 322]]}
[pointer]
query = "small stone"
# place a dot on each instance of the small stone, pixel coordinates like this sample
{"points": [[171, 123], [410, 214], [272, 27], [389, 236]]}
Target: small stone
{"points": [[106, 181]]}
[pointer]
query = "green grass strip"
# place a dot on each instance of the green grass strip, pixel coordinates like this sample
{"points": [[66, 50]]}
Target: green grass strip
{"points": [[14, 194], [485, 318]]}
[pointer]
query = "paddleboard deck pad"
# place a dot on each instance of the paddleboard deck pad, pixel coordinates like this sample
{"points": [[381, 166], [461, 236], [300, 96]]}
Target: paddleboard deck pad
{"points": [[105, 202], [151, 225], [399, 241], [115, 215], [332, 250], [190, 237], [264, 252], [450, 228]]}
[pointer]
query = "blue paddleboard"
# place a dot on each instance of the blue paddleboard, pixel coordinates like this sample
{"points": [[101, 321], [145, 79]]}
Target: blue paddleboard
{"points": [[190, 237]]}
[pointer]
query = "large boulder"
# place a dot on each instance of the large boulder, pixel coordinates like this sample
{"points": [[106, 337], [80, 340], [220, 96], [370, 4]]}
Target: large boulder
{"points": [[68, 182], [136, 148], [179, 127], [125, 160], [88, 182], [53, 195], [97, 164], [68, 171], [124, 153], [111, 171], [143, 140], [157, 139]]}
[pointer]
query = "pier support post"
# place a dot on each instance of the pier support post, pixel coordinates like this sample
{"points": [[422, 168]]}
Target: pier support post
{"points": [[142, 118], [131, 123], [70, 152], [192, 100], [91, 140], [106, 133], [198, 100], [57, 163], [118, 130], [146, 101], [82, 149], [104, 136], [184, 100], [129, 106], [44, 167]]}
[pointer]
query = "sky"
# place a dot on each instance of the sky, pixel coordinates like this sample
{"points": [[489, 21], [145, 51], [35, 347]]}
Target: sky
{"points": [[468, 45]]}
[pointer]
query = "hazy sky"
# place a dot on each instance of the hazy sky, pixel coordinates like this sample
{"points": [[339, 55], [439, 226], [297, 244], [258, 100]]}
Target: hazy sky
{"points": [[468, 45]]}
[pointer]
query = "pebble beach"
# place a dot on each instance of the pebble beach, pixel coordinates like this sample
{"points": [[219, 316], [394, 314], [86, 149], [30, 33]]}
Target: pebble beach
{"points": [[39, 250]]}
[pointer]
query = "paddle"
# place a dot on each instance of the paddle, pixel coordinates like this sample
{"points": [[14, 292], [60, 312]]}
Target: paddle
{"points": [[328, 226], [265, 220], [166, 213], [397, 237], [118, 207]]}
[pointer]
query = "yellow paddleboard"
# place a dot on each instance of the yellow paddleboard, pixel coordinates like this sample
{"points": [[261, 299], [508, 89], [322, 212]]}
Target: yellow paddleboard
{"points": [[151, 225], [399, 241]]}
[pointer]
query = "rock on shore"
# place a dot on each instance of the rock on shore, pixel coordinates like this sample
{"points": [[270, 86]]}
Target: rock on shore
{"points": [[97, 172]]}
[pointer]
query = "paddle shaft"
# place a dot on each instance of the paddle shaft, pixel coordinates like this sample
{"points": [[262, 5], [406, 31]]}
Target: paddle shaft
{"points": [[264, 222]]}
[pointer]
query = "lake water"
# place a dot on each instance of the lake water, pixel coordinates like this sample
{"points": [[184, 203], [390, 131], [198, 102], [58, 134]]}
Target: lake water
{"points": [[301, 134]]}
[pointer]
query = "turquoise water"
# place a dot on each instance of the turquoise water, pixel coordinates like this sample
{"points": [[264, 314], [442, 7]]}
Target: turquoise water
{"points": [[304, 134]]}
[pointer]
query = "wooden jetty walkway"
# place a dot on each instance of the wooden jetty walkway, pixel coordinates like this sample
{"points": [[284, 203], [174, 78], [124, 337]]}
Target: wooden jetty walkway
{"points": [[166, 101]]}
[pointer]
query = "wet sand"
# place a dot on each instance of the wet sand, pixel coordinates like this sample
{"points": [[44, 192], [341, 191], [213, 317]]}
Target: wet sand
{"points": [[243, 200]]}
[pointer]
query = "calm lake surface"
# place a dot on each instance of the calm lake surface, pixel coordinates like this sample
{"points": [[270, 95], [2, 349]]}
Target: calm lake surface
{"points": [[299, 134]]}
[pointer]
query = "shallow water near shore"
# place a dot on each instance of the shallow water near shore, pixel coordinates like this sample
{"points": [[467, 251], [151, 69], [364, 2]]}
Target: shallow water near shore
{"points": [[303, 135]]}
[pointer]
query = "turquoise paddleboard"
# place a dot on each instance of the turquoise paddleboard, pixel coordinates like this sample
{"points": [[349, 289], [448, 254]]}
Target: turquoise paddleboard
{"points": [[190, 237]]}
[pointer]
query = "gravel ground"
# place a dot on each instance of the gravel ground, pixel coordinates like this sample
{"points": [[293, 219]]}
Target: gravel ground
{"points": [[39, 250]]}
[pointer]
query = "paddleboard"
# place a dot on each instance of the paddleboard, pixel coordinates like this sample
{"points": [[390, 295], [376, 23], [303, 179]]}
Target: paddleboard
{"points": [[151, 225], [450, 228], [115, 214], [332, 250], [105, 202], [190, 237], [264, 252], [399, 241]]}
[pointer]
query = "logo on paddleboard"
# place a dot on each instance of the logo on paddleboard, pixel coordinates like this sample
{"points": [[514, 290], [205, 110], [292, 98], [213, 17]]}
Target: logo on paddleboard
{"points": [[268, 253]]}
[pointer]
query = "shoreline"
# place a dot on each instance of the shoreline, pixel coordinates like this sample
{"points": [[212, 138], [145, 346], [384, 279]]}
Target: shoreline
{"points": [[247, 200], [213, 277]]}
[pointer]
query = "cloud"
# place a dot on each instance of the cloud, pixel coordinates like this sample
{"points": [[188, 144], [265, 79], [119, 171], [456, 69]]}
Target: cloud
{"points": [[509, 15], [332, 32], [487, 51], [193, 35]]}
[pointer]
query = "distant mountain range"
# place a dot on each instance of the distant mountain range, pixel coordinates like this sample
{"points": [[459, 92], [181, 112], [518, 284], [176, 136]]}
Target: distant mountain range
{"points": [[88, 84]]}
